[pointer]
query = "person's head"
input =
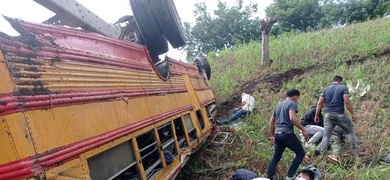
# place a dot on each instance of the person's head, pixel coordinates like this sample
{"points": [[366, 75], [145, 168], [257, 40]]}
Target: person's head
{"points": [[309, 173], [338, 79], [293, 94], [305, 175]]}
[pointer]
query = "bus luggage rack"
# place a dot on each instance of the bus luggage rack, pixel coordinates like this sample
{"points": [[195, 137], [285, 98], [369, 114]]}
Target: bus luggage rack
{"points": [[223, 138]]}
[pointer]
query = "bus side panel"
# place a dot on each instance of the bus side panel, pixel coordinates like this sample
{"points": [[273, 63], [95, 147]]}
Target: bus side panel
{"points": [[60, 126], [7, 147], [7, 85], [20, 134]]}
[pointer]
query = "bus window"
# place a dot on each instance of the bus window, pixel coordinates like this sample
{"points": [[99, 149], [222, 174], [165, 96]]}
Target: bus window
{"points": [[190, 127], [181, 138], [116, 163], [150, 156], [165, 133], [200, 119]]}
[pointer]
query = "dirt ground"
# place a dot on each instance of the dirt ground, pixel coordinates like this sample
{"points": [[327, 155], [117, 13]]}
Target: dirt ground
{"points": [[275, 82]]}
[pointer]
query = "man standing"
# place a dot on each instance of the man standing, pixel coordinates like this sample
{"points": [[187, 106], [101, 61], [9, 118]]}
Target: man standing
{"points": [[247, 103], [282, 125], [313, 128], [334, 97]]}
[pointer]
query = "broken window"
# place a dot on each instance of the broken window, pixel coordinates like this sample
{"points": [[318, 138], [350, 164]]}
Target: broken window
{"points": [[190, 127], [116, 163], [149, 153], [166, 135], [200, 119], [180, 134]]}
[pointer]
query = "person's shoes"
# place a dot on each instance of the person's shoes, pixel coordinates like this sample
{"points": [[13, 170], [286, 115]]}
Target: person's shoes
{"points": [[309, 145], [307, 156], [333, 158], [317, 152]]}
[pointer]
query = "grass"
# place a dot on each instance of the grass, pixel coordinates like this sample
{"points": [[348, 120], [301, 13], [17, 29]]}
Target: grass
{"points": [[290, 51], [327, 50]]}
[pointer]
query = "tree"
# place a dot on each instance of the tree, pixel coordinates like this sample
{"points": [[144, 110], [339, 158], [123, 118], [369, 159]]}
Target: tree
{"points": [[222, 30], [265, 27], [311, 15], [296, 15]]}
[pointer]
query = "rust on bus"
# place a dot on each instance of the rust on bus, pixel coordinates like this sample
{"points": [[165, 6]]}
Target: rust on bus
{"points": [[77, 104]]}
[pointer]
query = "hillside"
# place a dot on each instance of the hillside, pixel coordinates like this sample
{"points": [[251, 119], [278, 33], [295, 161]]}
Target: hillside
{"points": [[308, 62]]}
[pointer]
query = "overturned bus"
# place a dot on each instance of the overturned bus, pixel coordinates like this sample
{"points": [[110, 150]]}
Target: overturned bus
{"points": [[98, 102]]}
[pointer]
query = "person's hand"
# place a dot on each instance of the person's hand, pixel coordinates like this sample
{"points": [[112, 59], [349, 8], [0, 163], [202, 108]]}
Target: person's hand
{"points": [[354, 119], [236, 108], [272, 140], [305, 134], [316, 119]]}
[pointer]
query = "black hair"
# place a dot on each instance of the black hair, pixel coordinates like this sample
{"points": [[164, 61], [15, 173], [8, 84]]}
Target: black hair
{"points": [[293, 92], [309, 173], [337, 78]]}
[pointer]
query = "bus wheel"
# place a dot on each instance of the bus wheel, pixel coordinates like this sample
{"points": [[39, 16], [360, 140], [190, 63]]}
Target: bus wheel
{"points": [[203, 65], [169, 22], [151, 34]]}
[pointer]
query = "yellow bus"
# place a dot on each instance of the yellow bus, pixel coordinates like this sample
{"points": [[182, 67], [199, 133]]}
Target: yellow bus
{"points": [[75, 104]]}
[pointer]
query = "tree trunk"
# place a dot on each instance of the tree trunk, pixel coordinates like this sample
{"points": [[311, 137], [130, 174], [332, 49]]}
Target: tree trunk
{"points": [[265, 27], [266, 61]]}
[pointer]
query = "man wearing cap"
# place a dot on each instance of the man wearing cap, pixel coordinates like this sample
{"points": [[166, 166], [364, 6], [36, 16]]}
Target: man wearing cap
{"points": [[247, 103], [282, 124], [333, 98]]}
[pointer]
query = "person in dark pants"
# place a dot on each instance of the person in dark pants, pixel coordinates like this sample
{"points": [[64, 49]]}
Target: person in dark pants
{"points": [[334, 97], [282, 125]]}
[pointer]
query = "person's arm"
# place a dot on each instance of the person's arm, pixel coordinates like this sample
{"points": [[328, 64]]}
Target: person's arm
{"points": [[349, 106], [295, 121], [272, 126], [320, 105]]}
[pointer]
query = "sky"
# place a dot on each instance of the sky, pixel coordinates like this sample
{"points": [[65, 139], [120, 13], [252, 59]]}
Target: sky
{"points": [[109, 10]]}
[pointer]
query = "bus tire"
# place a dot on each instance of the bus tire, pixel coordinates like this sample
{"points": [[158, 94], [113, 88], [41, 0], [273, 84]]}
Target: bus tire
{"points": [[152, 36], [169, 22], [203, 64]]}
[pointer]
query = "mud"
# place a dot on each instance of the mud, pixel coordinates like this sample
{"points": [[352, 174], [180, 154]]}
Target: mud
{"points": [[275, 82], [27, 61], [32, 92], [360, 59]]}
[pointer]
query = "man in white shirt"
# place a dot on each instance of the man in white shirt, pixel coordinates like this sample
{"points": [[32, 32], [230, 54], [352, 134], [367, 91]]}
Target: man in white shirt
{"points": [[247, 103]]}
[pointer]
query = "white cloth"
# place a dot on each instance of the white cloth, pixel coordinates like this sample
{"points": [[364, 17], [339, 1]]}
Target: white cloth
{"points": [[249, 102]]}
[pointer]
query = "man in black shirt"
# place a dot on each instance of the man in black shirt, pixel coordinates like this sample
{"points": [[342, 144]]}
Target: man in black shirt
{"points": [[314, 129]]}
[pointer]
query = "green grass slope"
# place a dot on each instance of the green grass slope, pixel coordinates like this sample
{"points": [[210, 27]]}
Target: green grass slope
{"points": [[307, 62]]}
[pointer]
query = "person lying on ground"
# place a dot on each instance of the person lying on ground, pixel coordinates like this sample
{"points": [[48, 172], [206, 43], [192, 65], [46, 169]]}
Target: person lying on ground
{"points": [[335, 140], [315, 130], [247, 103], [309, 173]]}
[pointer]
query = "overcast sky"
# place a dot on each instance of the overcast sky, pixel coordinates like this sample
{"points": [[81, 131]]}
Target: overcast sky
{"points": [[108, 10]]}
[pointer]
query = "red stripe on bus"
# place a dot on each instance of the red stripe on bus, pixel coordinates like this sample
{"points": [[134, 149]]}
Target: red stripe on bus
{"points": [[32, 166], [11, 103]]}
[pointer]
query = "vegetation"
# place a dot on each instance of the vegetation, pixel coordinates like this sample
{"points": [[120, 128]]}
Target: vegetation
{"points": [[223, 29], [306, 62], [228, 26], [310, 15]]}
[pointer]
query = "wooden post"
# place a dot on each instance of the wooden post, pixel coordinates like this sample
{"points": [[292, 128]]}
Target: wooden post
{"points": [[265, 27]]}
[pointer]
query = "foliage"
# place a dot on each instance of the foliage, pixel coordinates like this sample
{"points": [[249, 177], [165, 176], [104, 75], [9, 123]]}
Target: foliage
{"points": [[297, 51], [223, 29], [326, 52], [359, 90], [310, 15]]}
